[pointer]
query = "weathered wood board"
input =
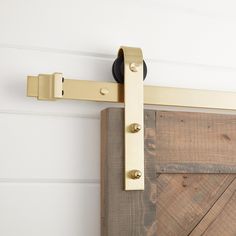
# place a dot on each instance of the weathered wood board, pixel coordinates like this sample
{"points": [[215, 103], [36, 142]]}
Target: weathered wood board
{"points": [[190, 174]]}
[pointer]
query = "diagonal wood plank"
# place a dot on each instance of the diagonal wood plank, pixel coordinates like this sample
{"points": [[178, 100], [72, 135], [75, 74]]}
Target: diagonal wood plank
{"points": [[221, 219], [182, 200]]}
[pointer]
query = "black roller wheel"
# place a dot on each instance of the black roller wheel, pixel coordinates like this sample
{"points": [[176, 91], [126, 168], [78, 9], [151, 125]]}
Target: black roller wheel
{"points": [[118, 70]]}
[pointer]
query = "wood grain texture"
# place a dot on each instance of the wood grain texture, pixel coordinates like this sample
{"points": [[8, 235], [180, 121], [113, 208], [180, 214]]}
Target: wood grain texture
{"points": [[172, 204], [221, 219], [183, 200], [195, 142]]}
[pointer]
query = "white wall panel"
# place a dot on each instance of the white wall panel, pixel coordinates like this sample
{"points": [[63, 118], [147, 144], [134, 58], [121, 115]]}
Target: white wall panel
{"points": [[49, 147], [211, 8], [49, 209], [164, 31]]}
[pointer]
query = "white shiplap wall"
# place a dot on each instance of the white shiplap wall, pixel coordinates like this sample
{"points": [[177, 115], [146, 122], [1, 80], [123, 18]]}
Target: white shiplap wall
{"points": [[49, 155]]}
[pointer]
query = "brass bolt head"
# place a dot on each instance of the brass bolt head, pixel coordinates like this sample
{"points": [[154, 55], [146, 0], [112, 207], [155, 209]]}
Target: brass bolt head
{"points": [[135, 174], [135, 127], [104, 91], [133, 67]]}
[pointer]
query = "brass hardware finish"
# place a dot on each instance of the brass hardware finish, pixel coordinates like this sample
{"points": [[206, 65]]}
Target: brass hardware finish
{"points": [[45, 87], [134, 128], [104, 91], [133, 100], [133, 67], [153, 95], [135, 174]]}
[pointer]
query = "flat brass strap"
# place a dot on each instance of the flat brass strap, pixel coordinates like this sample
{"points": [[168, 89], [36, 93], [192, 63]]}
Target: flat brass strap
{"points": [[153, 95], [133, 128]]}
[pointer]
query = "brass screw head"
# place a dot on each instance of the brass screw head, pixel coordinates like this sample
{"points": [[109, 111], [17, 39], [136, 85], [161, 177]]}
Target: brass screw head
{"points": [[135, 127], [104, 91], [133, 67], [135, 174]]}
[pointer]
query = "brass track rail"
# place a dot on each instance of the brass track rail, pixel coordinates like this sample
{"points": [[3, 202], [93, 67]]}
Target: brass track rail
{"points": [[114, 93]]}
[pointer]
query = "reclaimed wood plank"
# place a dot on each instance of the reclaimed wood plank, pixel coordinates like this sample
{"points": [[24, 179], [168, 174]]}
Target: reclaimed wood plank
{"points": [[182, 200], [189, 142], [172, 204], [122, 211], [221, 219]]}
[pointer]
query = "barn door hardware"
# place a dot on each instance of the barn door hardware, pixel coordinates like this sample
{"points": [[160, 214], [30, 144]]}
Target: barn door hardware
{"points": [[129, 70], [132, 60]]}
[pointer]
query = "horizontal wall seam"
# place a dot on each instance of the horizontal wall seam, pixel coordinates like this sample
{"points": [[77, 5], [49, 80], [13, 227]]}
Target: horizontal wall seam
{"points": [[103, 56], [97, 116], [48, 181], [53, 114]]}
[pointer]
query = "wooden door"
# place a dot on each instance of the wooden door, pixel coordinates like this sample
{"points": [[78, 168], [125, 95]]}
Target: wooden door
{"points": [[190, 176]]}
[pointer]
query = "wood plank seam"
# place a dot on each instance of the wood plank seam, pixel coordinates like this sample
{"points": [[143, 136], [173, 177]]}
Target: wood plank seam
{"points": [[212, 205]]}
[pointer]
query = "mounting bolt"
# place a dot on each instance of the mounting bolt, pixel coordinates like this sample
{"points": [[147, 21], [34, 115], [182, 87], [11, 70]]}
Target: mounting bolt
{"points": [[135, 174], [134, 128], [133, 67], [104, 91]]}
